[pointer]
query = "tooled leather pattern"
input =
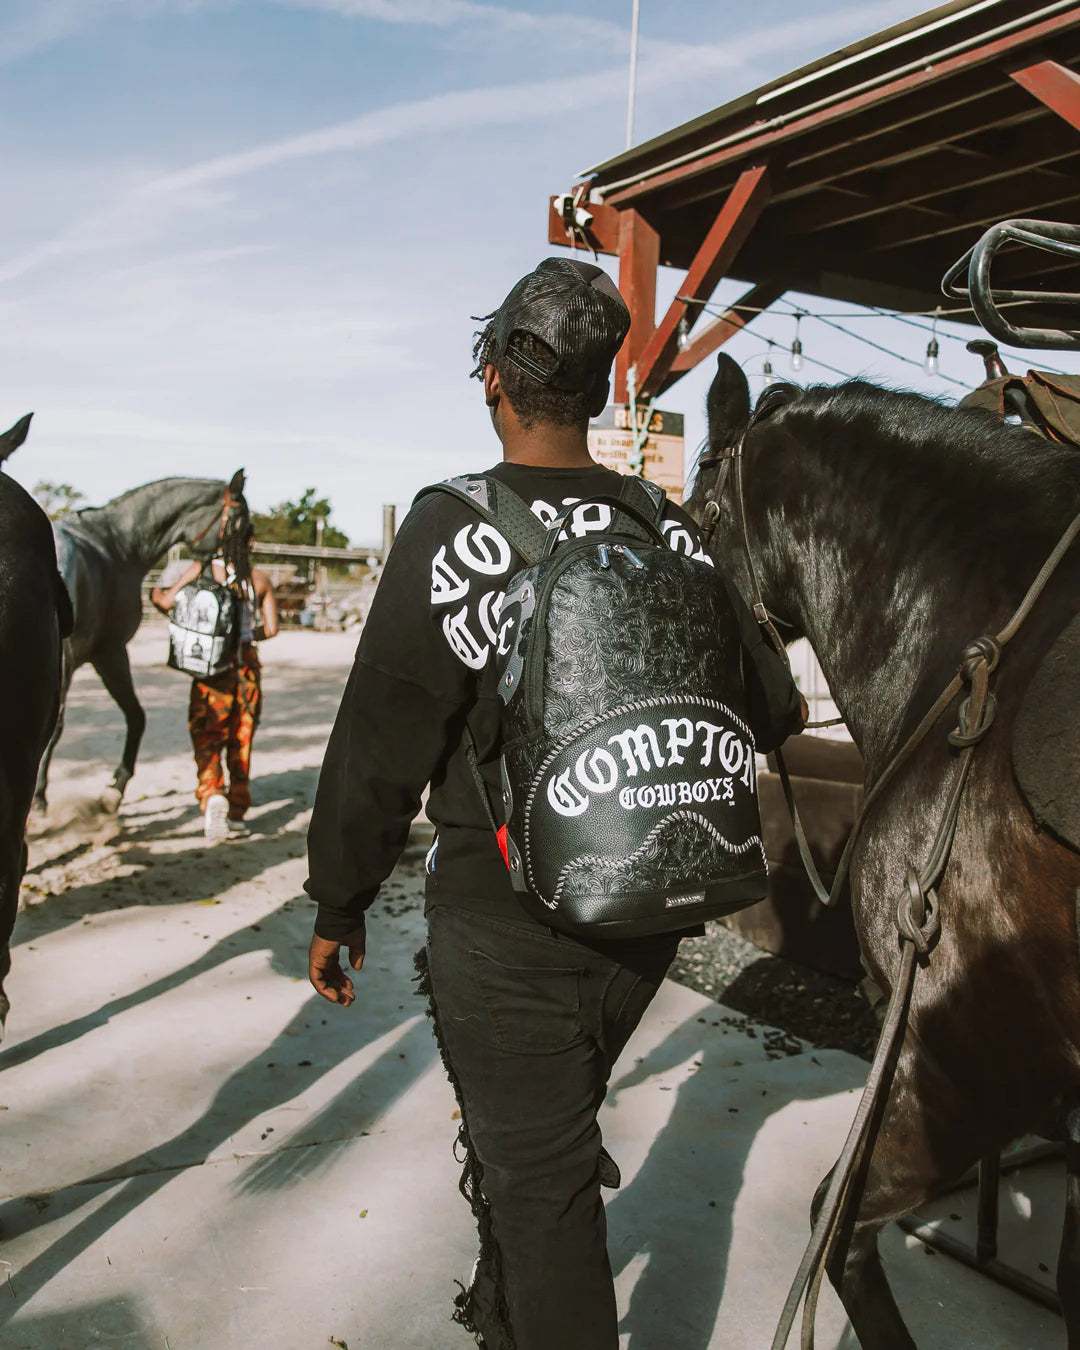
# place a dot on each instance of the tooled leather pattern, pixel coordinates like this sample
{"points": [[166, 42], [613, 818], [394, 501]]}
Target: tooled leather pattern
{"points": [[686, 835], [605, 639]]}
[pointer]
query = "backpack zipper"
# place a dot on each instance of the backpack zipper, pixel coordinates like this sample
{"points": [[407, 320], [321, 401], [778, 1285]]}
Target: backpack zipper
{"points": [[629, 554]]}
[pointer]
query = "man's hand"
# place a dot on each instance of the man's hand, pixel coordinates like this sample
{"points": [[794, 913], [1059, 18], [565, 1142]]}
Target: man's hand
{"points": [[324, 965]]}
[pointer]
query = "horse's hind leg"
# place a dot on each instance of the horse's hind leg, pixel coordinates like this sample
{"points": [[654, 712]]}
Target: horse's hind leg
{"points": [[115, 670], [1068, 1271]]}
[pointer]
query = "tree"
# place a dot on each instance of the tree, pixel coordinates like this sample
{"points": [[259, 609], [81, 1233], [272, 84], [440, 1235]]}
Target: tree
{"points": [[57, 499], [295, 522]]}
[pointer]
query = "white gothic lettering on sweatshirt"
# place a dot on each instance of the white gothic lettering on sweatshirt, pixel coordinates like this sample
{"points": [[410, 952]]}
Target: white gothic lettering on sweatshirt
{"points": [[467, 566]]}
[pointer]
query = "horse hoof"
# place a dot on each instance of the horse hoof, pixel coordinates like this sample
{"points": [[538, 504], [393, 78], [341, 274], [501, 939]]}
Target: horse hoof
{"points": [[111, 799]]}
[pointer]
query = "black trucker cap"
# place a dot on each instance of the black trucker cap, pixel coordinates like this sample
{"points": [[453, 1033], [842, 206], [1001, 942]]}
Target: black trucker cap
{"points": [[574, 309]]}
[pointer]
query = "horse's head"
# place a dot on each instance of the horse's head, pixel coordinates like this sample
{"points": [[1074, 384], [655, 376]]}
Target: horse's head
{"points": [[721, 481], [11, 439], [224, 523]]}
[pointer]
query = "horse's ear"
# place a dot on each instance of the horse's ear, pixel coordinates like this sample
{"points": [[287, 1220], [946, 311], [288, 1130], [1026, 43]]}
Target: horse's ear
{"points": [[727, 403], [14, 437], [236, 483]]}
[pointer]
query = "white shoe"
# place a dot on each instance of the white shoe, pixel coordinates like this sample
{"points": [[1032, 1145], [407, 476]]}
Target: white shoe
{"points": [[239, 829], [216, 825]]}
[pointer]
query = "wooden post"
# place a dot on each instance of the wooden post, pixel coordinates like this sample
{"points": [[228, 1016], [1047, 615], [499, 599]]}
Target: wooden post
{"points": [[639, 257], [389, 528]]}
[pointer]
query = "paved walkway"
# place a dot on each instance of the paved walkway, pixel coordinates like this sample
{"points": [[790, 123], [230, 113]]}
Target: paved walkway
{"points": [[197, 1154]]}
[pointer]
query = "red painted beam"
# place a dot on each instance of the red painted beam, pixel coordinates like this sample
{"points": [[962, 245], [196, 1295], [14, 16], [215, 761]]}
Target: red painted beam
{"points": [[1055, 85], [733, 223], [723, 329], [761, 144], [639, 258]]}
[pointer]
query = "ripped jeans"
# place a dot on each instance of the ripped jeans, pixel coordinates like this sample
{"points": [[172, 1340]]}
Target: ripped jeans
{"points": [[532, 1023]]}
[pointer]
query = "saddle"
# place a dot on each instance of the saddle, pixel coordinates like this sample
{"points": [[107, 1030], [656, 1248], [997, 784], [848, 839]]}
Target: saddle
{"points": [[1052, 401], [1046, 739]]}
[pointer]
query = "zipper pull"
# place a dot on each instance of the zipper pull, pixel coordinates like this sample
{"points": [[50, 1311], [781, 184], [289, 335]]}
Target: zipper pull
{"points": [[605, 556], [629, 554]]}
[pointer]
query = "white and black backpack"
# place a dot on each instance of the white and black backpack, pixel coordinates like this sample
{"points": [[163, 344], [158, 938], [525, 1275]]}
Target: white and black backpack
{"points": [[204, 627], [629, 799]]}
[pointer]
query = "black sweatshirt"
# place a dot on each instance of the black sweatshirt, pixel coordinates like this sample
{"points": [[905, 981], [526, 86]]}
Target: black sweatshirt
{"points": [[424, 669]]}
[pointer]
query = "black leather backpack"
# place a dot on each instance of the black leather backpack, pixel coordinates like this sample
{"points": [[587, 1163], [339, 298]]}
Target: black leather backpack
{"points": [[629, 801]]}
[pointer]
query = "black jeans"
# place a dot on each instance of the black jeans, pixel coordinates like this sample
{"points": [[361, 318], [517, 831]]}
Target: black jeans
{"points": [[532, 1024]]}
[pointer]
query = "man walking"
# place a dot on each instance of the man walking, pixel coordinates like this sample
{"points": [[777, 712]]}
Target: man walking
{"points": [[530, 1021], [224, 710]]}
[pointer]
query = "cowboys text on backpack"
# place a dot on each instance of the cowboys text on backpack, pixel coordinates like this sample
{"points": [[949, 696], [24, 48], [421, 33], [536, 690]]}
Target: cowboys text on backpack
{"points": [[203, 627], [628, 799]]}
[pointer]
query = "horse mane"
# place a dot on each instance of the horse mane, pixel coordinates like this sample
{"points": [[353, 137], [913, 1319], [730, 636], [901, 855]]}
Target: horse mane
{"points": [[930, 449], [167, 483]]}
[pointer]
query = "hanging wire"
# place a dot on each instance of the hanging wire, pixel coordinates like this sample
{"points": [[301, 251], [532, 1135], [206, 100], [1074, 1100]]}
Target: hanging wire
{"points": [[833, 370], [897, 356], [953, 337], [871, 313]]}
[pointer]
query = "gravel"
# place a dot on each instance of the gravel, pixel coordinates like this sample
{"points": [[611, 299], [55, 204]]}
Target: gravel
{"points": [[824, 1010]]}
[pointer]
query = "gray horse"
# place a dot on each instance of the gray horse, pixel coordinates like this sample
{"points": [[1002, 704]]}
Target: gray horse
{"points": [[104, 553]]}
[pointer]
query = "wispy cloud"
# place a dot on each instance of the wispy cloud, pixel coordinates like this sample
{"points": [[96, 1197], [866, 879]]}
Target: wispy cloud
{"points": [[200, 185], [29, 25]]}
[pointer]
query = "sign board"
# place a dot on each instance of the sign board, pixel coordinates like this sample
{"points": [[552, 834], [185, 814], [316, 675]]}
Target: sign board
{"points": [[611, 443]]}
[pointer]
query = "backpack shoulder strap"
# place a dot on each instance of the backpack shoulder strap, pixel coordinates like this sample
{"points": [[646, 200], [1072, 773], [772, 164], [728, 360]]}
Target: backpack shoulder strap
{"points": [[494, 501], [649, 498]]}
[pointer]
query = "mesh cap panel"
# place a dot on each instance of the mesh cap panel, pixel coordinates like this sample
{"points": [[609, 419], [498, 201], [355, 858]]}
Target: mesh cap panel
{"points": [[575, 310]]}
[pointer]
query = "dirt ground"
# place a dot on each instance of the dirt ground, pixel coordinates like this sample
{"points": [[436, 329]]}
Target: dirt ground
{"points": [[152, 852]]}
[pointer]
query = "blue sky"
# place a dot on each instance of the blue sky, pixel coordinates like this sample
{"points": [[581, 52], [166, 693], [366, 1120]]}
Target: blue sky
{"points": [[253, 232]]}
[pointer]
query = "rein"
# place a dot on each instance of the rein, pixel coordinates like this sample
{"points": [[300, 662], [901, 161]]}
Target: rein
{"points": [[918, 918]]}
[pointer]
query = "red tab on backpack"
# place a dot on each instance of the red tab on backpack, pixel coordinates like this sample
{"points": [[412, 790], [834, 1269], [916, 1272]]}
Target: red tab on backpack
{"points": [[500, 839]]}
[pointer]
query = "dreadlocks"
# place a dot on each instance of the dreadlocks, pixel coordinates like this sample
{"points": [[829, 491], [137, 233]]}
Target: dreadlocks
{"points": [[237, 533], [533, 402]]}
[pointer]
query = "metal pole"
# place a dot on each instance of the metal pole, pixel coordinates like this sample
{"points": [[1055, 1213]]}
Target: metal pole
{"points": [[389, 527], [633, 74]]}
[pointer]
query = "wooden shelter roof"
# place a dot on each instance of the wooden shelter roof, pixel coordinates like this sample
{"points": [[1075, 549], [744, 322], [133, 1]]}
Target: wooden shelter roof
{"points": [[884, 161]]}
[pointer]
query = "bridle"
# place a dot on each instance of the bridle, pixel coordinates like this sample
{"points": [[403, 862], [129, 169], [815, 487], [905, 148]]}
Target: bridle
{"points": [[227, 535], [731, 457], [917, 911], [222, 517]]}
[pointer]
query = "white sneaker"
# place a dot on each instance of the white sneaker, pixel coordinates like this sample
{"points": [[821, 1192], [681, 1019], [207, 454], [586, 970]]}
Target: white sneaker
{"points": [[216, 825], [239, 829]]}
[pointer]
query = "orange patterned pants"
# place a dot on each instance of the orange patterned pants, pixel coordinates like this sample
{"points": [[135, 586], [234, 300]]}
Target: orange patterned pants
{"points": [[222, 718]]}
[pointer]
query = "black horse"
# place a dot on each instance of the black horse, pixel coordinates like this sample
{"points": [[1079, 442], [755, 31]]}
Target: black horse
{"points": [[35, 616], [104, 553], [891, 531]]}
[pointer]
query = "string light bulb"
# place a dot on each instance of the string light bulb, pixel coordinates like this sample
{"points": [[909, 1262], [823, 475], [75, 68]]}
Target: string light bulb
{"points": [[683, 334], [796, 347], [933, 349], [768, 374]]}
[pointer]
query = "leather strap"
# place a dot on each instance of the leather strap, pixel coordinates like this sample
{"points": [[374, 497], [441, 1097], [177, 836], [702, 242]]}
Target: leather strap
{"points": [[495, 502]]}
